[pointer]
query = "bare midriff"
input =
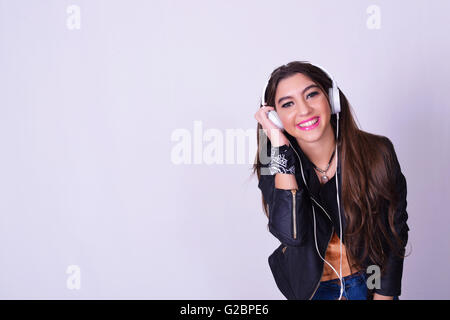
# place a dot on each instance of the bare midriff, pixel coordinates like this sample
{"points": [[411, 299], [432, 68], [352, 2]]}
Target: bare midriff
{"points": [[332, 255]]}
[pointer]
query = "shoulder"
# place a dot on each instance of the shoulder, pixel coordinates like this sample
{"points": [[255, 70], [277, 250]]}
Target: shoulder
{"points": [[383, 151], [379, 143], [390, 155]]}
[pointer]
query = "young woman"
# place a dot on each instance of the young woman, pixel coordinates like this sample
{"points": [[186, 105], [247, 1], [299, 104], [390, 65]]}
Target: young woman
{"points": [[310, 212]]}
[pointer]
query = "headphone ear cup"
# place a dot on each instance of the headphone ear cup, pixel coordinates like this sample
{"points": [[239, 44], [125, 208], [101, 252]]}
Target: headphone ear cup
{"points": [[336, 100], [333, 94], [273, 116], [331, 100]]}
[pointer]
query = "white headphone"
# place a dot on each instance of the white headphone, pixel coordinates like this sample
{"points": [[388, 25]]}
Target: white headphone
{"points": [[333, 94]]}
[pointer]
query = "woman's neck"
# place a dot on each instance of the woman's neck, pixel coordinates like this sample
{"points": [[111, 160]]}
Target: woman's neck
{"points": [[320, 151]]}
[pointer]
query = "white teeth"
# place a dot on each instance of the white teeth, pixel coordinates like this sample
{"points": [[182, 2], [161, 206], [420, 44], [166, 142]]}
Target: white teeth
{"points": [[309, 123]]}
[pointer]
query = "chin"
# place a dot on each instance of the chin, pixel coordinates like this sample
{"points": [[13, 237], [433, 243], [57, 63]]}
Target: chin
{"points": [[306, 138]]}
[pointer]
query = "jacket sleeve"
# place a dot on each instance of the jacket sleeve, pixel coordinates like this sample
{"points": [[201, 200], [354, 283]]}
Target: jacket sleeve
{"points": [[390, 284], [285, 222]]}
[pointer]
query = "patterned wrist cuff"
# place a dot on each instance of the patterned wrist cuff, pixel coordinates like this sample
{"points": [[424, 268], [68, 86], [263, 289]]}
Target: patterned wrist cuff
{"points": [[282, 160]]}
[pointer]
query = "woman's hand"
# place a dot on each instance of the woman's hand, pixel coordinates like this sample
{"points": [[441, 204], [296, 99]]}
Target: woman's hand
{"points": [[275, 135]]}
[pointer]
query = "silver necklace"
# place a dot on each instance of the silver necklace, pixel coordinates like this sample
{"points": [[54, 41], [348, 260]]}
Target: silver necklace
{"points": [[323, 172]]}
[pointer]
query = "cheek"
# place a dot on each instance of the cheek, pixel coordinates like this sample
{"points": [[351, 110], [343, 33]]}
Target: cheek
{"points": [[290, 118], [325, 107], [285, 114]]}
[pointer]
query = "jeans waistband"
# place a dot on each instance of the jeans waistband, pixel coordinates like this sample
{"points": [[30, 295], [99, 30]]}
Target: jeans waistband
{"points": [[354, 277]]}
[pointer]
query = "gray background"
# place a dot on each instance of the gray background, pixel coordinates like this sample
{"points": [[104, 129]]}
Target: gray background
{"points": [[86, 117]]}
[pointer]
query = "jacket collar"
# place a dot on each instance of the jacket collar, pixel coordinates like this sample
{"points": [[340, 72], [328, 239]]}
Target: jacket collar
{"points": [[314, 187], [307, 164], [308, 168]]}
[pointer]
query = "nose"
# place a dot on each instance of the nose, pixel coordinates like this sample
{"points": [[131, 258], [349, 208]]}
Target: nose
{"points": [[302, 108]]}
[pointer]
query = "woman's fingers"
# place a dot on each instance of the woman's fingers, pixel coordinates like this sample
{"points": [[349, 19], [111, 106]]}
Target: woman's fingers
{"points": [[274, 133], [261, 114]]}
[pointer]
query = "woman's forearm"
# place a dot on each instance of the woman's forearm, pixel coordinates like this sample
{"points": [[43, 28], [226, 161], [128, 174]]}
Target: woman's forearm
{"points": [[285, 181]]}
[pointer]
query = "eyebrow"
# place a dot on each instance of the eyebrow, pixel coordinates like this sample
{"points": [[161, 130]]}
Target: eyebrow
{"points": [[303, 91]]}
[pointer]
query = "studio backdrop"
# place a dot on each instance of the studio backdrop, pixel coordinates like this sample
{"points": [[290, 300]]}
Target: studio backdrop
{"points": [[127, 138]]}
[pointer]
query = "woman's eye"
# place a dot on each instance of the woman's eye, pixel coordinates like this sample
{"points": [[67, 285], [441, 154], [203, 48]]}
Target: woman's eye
{"points": [[312, 94], [309, 95]]}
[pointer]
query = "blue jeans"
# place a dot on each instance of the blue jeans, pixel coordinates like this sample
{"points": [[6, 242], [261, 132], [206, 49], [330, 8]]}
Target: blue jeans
{"points": [[355, 288]]}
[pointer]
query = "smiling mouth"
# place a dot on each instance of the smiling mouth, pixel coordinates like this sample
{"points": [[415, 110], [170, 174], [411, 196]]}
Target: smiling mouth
{"points": [[310, 124]]}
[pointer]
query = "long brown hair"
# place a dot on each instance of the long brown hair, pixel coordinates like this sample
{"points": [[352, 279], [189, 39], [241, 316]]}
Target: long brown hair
{"points": [[367, 187]]}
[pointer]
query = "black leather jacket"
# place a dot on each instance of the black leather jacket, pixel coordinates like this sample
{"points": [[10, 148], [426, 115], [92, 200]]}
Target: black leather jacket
{"points": [[297, 271]]}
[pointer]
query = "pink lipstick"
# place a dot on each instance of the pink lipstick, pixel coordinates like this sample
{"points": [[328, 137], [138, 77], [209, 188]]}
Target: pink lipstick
{"points": [[310, 127]]}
